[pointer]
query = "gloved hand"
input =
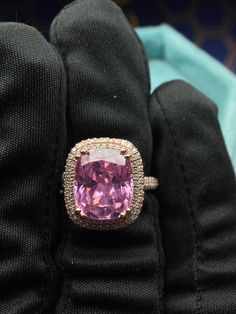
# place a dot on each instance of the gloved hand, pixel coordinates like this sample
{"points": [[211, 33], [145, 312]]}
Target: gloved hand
{"points": [[179, 255]]}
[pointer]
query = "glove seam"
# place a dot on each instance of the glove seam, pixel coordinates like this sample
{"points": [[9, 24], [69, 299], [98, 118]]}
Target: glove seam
{"points": [[49, 228], [65, 238], [160, 266], [195, 232], [145, 62]]}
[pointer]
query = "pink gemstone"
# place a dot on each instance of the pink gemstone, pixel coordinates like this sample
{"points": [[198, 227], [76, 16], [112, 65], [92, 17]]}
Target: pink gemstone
{"points": [[103, 185]]}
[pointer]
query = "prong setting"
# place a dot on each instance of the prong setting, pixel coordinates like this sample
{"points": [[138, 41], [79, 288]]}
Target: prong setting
{"points": [[83, 152]]}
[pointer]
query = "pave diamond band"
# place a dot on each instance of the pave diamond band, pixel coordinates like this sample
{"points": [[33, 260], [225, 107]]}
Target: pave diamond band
{"points": [[150, 183]]}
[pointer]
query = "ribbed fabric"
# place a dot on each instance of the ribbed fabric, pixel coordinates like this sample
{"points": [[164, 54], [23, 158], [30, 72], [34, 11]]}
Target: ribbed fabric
{"points": [[32, 137]]}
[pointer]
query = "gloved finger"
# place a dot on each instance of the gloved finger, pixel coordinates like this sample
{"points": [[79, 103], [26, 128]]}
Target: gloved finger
{"points": [[32, 140], [197, 202], [110, 271]]}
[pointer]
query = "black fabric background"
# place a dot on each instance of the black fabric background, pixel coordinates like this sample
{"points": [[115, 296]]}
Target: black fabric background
{"points": [[198, 198], [32, 141], [179, 256]]}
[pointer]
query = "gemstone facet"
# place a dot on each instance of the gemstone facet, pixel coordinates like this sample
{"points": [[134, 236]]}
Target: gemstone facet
{"points": [[103, 184]]}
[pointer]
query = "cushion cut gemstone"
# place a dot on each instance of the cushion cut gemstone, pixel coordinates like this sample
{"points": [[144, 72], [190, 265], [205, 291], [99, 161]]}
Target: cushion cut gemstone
{"points": [[103, 185]]}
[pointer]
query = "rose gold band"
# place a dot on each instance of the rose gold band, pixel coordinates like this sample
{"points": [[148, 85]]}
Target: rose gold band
{"points": [[150, 183]]}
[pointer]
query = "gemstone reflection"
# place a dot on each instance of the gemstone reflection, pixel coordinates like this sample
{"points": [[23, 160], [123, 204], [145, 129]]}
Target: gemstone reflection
{"points": [[103, 184]]}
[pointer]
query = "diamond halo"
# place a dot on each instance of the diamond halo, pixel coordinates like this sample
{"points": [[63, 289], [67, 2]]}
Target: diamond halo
{"points": [[126, 217]]}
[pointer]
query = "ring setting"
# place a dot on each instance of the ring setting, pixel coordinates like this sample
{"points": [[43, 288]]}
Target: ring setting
{"points": [[104, 183]]}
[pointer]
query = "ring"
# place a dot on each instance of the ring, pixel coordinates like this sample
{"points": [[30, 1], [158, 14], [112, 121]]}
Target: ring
{"points": [[104, 183]]}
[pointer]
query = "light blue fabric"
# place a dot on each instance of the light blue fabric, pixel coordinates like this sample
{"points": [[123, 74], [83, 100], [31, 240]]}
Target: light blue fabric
{"points": [[172, 56]]}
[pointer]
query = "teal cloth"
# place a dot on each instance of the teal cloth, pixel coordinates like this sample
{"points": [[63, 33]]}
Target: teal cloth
{"points": [[172, 56]]}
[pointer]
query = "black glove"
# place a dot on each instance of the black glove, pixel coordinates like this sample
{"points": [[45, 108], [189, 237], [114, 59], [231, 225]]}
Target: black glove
{"points": [[50, 265]]}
